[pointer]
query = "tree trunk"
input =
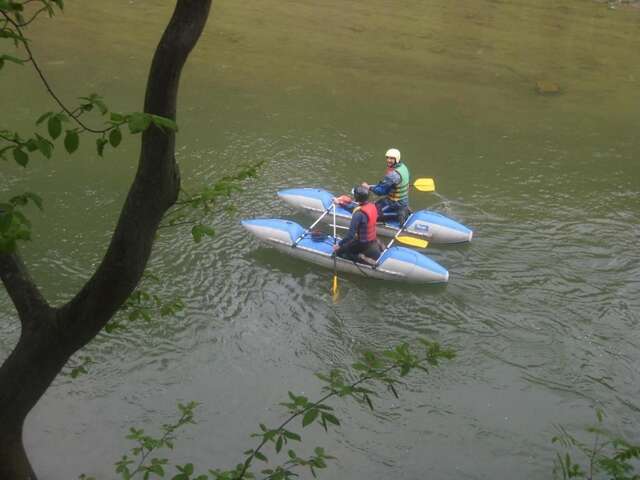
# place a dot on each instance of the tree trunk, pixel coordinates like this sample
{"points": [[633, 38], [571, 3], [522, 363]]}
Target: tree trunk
{"points": [[50, 336], [24, 377]]}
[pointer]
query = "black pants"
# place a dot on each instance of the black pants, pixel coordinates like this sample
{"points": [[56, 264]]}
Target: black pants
{"points": [[351, 250], [389, 211]]}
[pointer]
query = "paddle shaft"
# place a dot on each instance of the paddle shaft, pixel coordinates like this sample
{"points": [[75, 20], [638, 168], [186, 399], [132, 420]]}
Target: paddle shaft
{"points": [[422, 184], [400, 230]]}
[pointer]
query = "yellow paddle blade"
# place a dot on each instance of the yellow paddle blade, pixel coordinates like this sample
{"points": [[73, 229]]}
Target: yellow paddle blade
{"points": [[334, 288], [425, 185], [414, 242]]}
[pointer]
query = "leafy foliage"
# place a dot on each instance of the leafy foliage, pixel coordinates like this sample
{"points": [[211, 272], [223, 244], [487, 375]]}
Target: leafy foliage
{"points": [[66, 125], [81, 368], [138, 462], [206, 201], [608, 456], [14, 224], [372, 368]]}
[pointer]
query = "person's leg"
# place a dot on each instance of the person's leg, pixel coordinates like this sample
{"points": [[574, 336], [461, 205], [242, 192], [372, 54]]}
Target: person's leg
{"points": [[386, 211], [351, 252], [403, 214], [380, 206], [372, 250]]}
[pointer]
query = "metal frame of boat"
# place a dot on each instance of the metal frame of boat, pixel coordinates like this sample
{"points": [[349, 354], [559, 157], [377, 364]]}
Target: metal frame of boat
{"points": [[396, 263], [432, 226]]}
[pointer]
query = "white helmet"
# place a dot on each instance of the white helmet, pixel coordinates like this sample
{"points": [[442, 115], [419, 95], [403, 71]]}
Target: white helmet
{"points": [[393, 152]]}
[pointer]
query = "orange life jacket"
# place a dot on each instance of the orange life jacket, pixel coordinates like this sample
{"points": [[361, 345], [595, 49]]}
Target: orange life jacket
{"points": [[368, 234]]}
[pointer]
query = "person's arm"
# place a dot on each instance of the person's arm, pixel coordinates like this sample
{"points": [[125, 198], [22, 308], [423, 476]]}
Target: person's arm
{"points": [[350, 237], [385, 185]]}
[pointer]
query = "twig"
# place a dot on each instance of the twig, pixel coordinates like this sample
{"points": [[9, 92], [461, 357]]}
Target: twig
{"points": [[46, 83], [293, 416]]}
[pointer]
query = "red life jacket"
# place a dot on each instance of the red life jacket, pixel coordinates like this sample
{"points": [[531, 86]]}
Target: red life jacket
{"points": [[368, 234]]}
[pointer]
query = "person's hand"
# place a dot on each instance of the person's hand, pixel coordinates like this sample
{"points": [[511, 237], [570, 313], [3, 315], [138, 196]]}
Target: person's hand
{"points": [[335, 247], [366, 185]]}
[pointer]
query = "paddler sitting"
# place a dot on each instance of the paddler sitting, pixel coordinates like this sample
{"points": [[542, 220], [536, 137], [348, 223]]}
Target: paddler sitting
{"points": [[360, 243], [394, 188]]}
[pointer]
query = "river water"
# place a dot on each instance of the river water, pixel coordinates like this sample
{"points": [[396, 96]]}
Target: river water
{"points": [[542, 307]]}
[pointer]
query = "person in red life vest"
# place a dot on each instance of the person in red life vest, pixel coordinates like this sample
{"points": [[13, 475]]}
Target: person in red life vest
{"points": [[361, 238], [393, 188]]}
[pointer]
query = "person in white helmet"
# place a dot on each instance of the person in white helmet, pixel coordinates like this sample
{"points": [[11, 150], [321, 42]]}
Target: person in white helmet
{"points": [[393, 188]]}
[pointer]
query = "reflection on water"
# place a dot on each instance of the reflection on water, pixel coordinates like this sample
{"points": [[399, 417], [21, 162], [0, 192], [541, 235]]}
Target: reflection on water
{"points": [[542, 306]]}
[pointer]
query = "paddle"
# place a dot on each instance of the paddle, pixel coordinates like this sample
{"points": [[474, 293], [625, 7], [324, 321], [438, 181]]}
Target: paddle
{"points": [[414, 242], [334, 285], [424, 184]]}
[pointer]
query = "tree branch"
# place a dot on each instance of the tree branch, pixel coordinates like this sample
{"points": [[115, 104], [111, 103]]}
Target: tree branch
{"points": [[21, 288]]}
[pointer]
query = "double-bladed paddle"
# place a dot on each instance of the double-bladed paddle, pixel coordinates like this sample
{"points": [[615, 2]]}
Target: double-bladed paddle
{"points": [[423, 184]]}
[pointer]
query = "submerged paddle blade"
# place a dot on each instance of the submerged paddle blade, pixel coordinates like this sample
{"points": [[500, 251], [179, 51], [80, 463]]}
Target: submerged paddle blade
{"points": [[414, 242], [334, 288], [425, 184]]}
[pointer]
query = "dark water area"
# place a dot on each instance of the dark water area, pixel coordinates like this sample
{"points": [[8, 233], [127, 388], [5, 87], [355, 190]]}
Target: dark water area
{"points": [[542, 307]]}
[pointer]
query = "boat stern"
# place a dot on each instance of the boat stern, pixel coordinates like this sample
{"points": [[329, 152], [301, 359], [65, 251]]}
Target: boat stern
{"points": [[437, 228], [274, 230], [412, 266], [310, 199]]}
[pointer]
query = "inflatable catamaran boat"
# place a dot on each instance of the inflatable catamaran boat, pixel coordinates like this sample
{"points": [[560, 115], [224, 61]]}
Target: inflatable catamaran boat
{"points": [[432, 226], [395, 263]]}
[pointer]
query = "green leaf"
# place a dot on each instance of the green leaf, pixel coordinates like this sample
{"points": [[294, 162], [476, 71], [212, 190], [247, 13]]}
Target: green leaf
{"points": [[261, 456], [31, 145], [12, 59], [164, 122], [20, 157], [138, 122], [43, 145], [43, 117], [115, 137], [55, 126], [6, 219], [101, 105], [19, 200], [291, 435], [199, 231], [71, 141], [309, 417], [157, 469], [330, 418], [35, 199], [279, 443], [100, 143], [117, 117]]}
